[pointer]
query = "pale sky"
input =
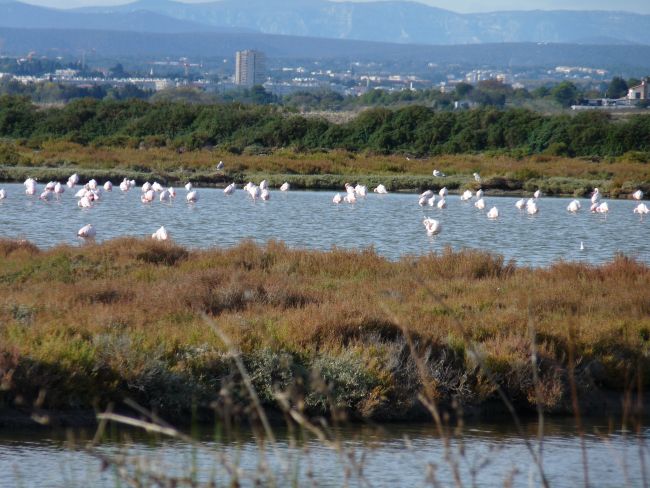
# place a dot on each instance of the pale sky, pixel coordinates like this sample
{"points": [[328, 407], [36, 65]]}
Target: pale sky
{"points": [[641, 6]]}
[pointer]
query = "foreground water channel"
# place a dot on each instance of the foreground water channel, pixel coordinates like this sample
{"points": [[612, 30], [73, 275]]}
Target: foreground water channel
{"points": [[392, 223], [486, 454]]}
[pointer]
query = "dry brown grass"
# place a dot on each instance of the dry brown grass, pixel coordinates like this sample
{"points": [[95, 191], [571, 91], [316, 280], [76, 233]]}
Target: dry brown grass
{"points": [[127, 318], [623, 169]]}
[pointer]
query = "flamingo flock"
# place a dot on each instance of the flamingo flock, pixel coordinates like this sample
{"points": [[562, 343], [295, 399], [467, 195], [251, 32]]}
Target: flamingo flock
{"points": [[92, 192], [530, 206]]}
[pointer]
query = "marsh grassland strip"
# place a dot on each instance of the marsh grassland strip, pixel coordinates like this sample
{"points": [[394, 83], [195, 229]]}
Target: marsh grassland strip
{"points": [[84, 327]]}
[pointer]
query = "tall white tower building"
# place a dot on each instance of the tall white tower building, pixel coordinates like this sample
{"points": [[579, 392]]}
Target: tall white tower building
{"points": [[250, 68]]}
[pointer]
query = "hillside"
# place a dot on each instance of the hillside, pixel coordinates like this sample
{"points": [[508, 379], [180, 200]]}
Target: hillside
{"points": [[400, 21], [210, 45]]}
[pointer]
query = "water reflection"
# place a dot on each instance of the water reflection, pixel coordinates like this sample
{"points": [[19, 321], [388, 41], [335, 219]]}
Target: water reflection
{"points": [[487, 454]]}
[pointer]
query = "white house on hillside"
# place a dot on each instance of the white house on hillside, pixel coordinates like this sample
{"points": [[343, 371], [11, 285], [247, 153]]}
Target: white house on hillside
{"points": [[639, 92]]}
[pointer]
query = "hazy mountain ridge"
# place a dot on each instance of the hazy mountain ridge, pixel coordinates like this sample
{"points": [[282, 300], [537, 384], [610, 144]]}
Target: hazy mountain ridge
{"points": [[400, 21], [25, 16], [131, 45]]}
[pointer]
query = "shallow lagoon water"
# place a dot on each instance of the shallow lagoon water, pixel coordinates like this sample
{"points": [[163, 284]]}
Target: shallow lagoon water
{"points": [[391, 224]]}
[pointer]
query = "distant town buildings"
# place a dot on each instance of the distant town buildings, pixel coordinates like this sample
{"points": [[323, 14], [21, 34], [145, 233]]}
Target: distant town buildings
{"points": [[250, 68], [568, 70], [639, 92]]}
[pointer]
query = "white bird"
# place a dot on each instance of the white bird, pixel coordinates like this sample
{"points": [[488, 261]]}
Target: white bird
{"points": [[531, 207], [285, 186], [124, 186], [637, 195], [92, 184], [3, 194], [192, 196], [641, 209], [427, 194], [73, 180], [574, 206], [443, 192], [165, 196], [361, 190], [108, 186], [431, 201], [438, 174], [87, 231], [467, 195], [480, 204], [30, 186], [160, 235], [442, 203], [582, 246], [265, 194], [254, 191], [520, 204], [595, 196], [230, 189], [188, 187], [146, 187], [59, 189], [432, 226], [220, 166], [477, 177], [172, 192], [148, 196], [46, 195], [50, 186], [157, 187], [493, 213], [132, 183], [264, 185], [381, 189], [602, 208], [81, 193], [479, 194], [350, 198], [337, 198], [84, 202], [537, 193]]}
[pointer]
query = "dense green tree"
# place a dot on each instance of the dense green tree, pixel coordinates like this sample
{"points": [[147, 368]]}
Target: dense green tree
{"points": [[617, 88], [117, 71], [463, 89], [565, 93]]}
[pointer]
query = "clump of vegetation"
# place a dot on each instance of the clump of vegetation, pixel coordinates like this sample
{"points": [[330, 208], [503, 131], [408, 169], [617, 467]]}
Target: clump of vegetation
{"points": [[255, 129], [343, 330]]}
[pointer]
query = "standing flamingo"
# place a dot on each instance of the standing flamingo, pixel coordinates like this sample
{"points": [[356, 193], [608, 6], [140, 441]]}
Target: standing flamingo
{"points": [[87, 231], [432, 226], [160, 235]]}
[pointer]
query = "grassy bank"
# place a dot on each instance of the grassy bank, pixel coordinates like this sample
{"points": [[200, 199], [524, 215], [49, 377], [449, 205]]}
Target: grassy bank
{"points": [[616, 177], [82, 327]]}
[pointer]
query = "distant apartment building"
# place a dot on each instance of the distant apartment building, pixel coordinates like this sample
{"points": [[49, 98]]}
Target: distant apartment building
{"points": [[250, 68], [639, 92], [66, 73]]}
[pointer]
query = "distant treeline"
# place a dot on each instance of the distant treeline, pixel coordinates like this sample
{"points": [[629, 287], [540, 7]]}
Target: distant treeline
{"points": [[51, 92], [486, 93], [240, 128]]}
